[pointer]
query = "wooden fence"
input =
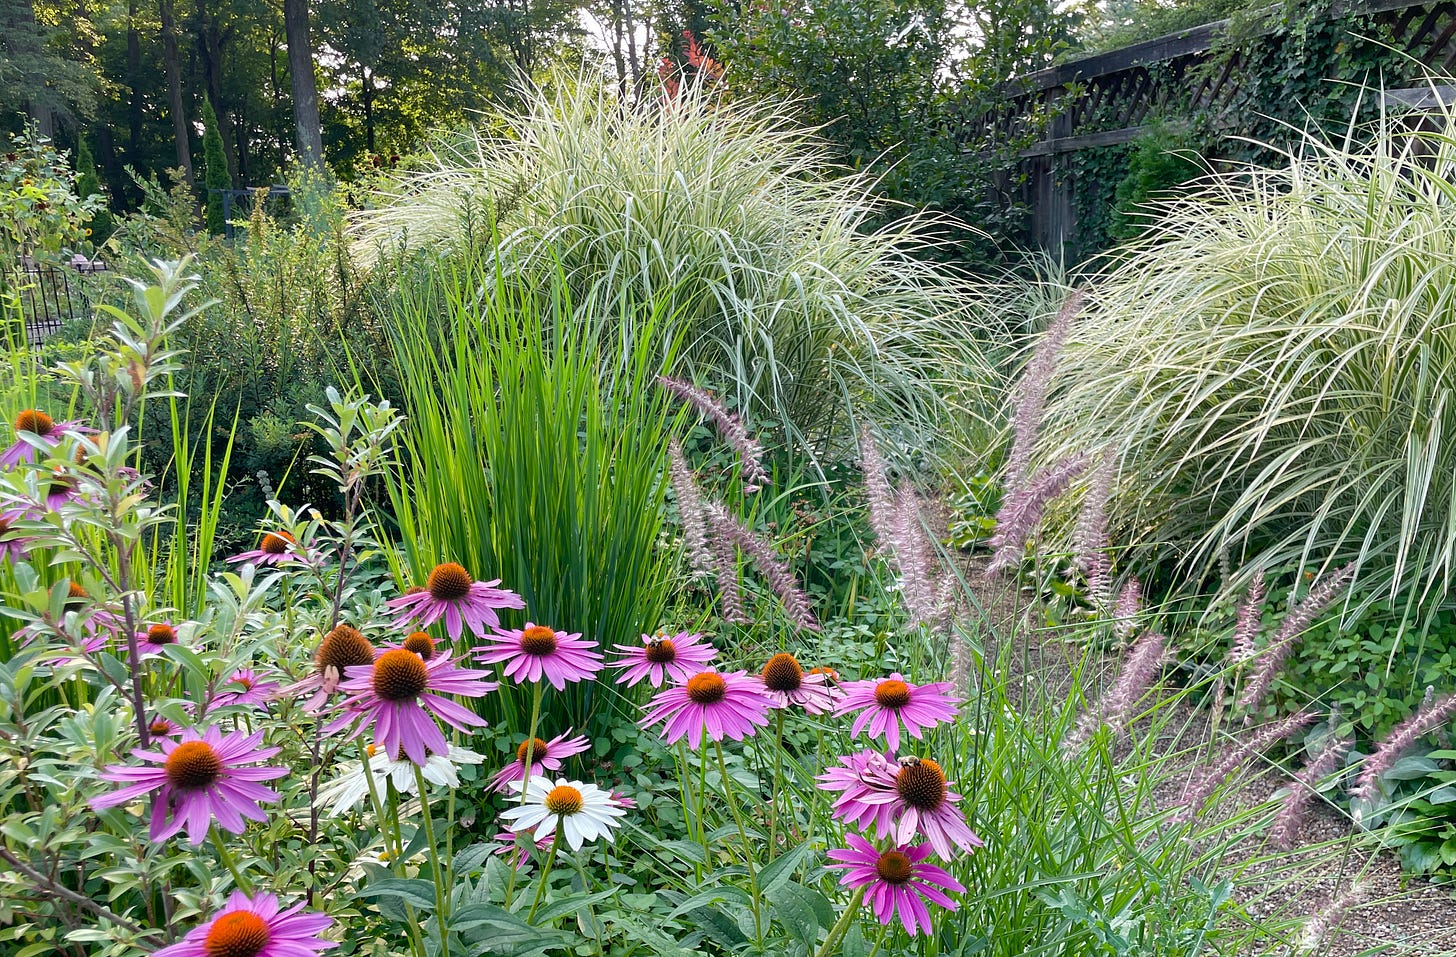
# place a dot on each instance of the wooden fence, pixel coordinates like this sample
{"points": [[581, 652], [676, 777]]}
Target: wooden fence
{"points": [[1107, 99]]}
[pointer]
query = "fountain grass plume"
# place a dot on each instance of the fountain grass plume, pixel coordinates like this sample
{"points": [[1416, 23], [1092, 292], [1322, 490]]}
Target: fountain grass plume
{"points": [[690, 512], [1031, 391], [729, 532], [1090, 538], [928, 595], [1023, 508], [881, 500], [1291, 629], [1430, 716], [1256, 742], [1128, 608], [1287, 823], [1320, 925], [1247, 624], [1141, 668], [729, 427]]}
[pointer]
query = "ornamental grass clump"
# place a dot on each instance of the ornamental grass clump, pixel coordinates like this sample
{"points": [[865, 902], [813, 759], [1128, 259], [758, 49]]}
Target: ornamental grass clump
{"points": [[1271, 367], [785, 297]]}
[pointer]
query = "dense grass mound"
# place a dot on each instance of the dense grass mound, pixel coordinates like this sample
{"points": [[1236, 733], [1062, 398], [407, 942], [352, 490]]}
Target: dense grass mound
{"points": [[1274, 367], [786, 298]]}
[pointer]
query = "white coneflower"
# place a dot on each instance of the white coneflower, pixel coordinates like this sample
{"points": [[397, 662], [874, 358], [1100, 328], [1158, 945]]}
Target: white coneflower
{"points": [[351, 787], [582, 812]]}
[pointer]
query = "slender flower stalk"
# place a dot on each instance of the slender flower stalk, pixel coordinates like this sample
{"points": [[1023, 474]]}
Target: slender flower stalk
{"points": [[730, 428], [1022, 509], [728, 529], [1291, 629], [725, 570], [1247, 624], [1031, 391], [1202, 787], [883, 512], [1430, 716], [1090, 536], [1285, 831], [690, 512], [1128, 608]]}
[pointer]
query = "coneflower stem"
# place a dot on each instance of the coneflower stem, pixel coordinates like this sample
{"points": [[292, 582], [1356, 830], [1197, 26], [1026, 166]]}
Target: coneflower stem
{"points": [[591, 915], [773, 814], [442, 902], [545, 876], [692, 810], [536, 693], [243, 884], [841, 926], [743, 835]]}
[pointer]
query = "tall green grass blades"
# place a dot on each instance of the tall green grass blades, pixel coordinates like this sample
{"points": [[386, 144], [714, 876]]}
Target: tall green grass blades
{"points": [[791, 306], [535, 452], [1274, 367]]}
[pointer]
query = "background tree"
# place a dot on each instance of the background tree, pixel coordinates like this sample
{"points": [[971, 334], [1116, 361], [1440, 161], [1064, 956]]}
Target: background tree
{"points": [[215, 169]]}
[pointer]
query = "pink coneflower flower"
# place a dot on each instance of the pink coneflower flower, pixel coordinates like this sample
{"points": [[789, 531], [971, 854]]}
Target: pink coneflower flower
{"points": [[61, 488], [660, 658], [420, 643], [451, 593], [728, 705], [397, 696], [584, 812], [255, 927], [545, 756], [899, 881], [160, 727], [341, 649], [517, 852], [200, 779], [536, 651], [274, 548], [787, 683], [893, 701], [98, 625], [156, 637], [901, 799], [12, 546], [244, 687], [38, 427]]}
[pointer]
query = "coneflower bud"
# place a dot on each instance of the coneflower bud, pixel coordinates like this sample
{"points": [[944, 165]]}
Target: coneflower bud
{"points": [[1022, 510], [1428, 718], [1246, 625], [1203, 786], [1291, 629]]}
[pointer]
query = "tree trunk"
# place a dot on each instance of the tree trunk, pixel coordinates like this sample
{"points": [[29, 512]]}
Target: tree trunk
{"points": [[305, 85], [133, 80], [366, 94], [174, 89]]}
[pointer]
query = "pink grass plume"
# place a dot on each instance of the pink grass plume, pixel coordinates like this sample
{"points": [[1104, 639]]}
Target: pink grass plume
{"points": [[1430, 716], [1291, 629], [1261, 739], [1022, 511], [729, 427]]}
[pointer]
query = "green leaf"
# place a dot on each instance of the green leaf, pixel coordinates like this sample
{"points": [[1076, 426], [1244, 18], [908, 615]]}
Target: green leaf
{"points": [[724, 892], [802, 911], [412, 891], [782, 867]]}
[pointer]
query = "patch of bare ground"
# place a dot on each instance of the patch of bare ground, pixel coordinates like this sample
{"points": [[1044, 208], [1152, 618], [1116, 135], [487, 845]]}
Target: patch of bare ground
{"points": [[1394, 914]]}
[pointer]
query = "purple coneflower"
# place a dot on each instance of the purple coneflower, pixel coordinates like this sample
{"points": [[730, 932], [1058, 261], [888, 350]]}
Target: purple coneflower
{"points": [[160, 727], [545, 756], [61, 488], [255, 927], [899, 881], [157, 636], [891, 702], [399, 696], [537, 652], [787, 683], [198, 779], [902, 799], [243, 687], [38, 427], [344, 647], [12, 546], [274, 548], [731, 705], [660, 658], [583, 812], [451, 593]]}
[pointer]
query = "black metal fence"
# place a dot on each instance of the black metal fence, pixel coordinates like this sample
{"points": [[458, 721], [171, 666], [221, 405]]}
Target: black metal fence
{"points": [[49, 296]]}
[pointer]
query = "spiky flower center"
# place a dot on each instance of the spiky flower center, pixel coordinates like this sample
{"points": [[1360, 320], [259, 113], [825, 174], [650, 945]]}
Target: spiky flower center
{"points": [[893, 867], [160, 726], [783, 673], [921, 784], [34, 421], [193, 765], [449, 582], [892, 694], [247, 681], [538, 640], [661, 651], [827, 672], [75, 594], [707, 688], [400, 675], [421, 644], [538, 750], [564, 800], [275, 543], [342, 648], [240, 933], [161, 634]]}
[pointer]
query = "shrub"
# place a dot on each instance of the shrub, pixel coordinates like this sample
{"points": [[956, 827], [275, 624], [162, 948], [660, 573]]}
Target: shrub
{"points": [[215, 176], [1271, 364], [787, 304]]}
